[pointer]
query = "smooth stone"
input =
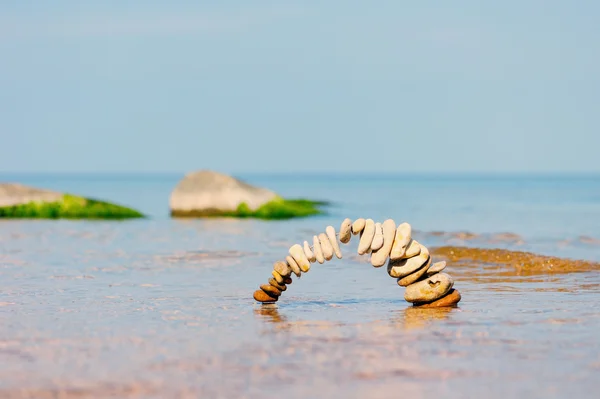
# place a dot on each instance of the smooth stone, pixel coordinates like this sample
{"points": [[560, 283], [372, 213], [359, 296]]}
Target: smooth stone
{"points": [[293, 265], [379, 257], [281, 287], [261, 296], [358, 226], [416, 276], [309, 253], [401, 241], [404, 267], [346, 231], [413, 249], [300, 257], [271, 290], [282, 268], [429, 289], [287, 280], [207, 192], [377, 238], [436, 268], [318, 250], [326, 246], [366, 237], [278, 277], [330, 231], [450, 299]]}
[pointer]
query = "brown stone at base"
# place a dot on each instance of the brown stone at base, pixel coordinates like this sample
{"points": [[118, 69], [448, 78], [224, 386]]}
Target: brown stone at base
{"points": [[275, 284], [261, 296], [287, 280], [450, 299], [269, 289]]}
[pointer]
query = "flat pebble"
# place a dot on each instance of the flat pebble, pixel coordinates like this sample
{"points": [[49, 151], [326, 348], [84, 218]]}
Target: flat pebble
{"points": [[416, 276], [401, 240], [261, 296], [309, 253], [278, 277], [318, 250], [412, 249], [358, 226], [404, 267], [282, 268], [436, 268], [287, 280], [429, 289], [271, 290], [366, 238], [299, 256], [330, 231], [293, 265], [326, 246], [281, 287], [346, 231], [379, 257], [450, 299], [377, 238]]}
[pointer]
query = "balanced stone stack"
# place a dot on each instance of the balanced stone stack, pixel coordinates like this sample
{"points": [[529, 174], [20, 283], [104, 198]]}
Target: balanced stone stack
{"points": [[407, 260]]}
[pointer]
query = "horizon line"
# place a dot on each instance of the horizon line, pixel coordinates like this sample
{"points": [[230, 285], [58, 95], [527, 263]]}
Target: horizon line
{"points": [[306, 173]]}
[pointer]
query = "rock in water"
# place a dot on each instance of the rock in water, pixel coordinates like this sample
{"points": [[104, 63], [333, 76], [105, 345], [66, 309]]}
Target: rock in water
{"points": [[330, 231], [413, 249], [401, 241], [450, 299], [346, 231], [206, 193], [414, 277], [293, 265], [18, 194], [436, 268], [309, 253], [278, 277], [261, 296], [326, 246], [364, 245], [404, 267], [271, 290], [377, 242], [379, 257], [430, 289], [281, 287], [297, 252], [20, 201], [318, 250], [358, 226], [282, 268]]}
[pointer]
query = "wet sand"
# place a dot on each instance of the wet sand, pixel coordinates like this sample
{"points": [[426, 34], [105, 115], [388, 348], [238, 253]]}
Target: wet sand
{"points": [[116, 310]]}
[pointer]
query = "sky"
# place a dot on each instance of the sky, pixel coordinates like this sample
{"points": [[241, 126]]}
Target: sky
{"points": [[300, 86]]}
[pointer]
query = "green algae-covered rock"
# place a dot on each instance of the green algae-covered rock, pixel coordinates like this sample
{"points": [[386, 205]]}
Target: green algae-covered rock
{"points": [[211, 194], [20, 201]]}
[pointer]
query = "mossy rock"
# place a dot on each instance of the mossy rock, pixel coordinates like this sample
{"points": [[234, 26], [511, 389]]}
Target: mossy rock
{"points": [[208, 193], [22, 202], [277, 209]]}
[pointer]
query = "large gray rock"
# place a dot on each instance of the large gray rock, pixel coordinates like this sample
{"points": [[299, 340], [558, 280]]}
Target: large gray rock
{"points": [[205, 193], [16, 194]]}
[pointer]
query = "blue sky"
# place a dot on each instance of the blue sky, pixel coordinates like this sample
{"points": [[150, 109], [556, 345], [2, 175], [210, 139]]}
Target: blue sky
{"points": [[391, 86]]}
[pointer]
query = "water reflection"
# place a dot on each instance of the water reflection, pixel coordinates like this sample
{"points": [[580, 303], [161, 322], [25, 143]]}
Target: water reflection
{"points": [[416, 318], [270, 313]]}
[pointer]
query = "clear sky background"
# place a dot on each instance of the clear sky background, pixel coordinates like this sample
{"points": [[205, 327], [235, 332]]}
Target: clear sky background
{"points": [[284, 86]]}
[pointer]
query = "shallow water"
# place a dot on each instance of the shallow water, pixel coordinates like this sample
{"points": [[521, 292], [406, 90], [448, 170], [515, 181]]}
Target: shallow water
{"points": [[163, 308]]}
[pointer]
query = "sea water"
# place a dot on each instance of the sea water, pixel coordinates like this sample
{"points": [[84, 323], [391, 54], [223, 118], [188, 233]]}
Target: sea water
{"points": [[162, 307]]}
